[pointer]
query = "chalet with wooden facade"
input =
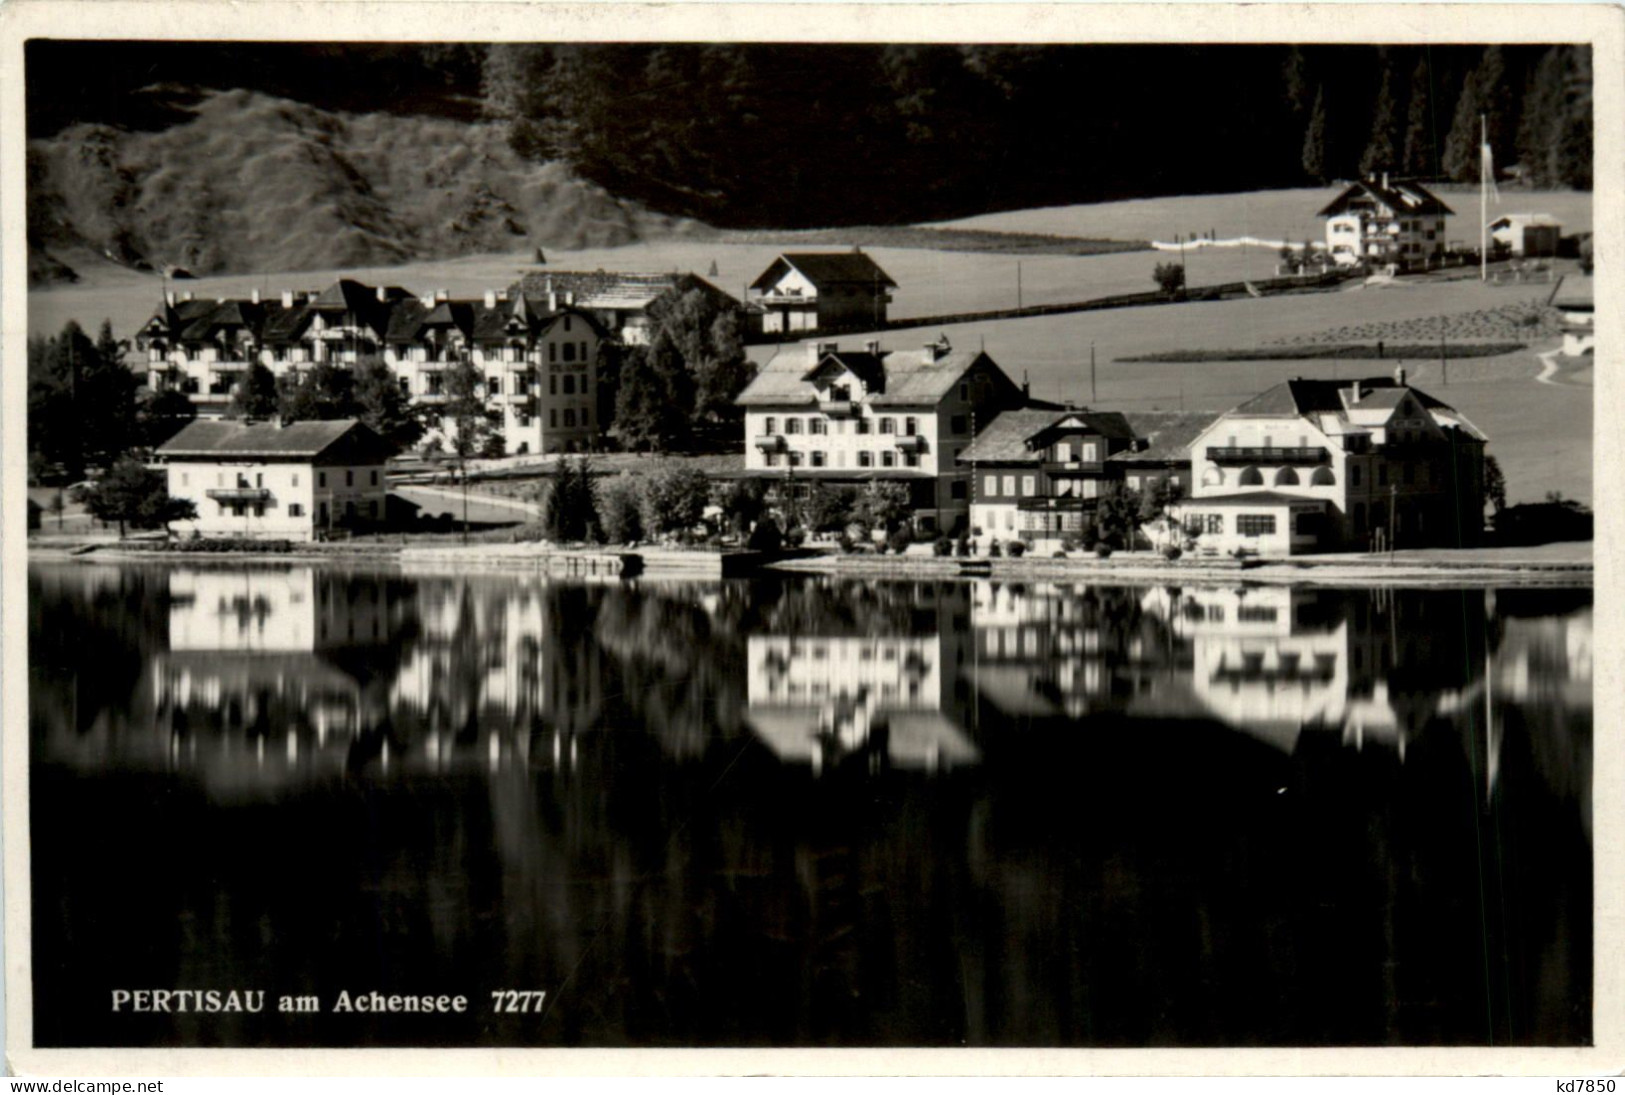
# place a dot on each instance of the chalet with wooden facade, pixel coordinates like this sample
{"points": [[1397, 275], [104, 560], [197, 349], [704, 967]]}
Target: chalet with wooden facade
{"points": [[1380, 222], [822, 291]]}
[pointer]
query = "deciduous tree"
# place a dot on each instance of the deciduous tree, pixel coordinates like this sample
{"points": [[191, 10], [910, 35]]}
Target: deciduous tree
{"points": [[255, 394], [133, 494]]}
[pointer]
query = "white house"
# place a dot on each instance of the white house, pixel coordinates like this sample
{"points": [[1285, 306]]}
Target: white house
{"points": [[1382, 221], [1528, 235], [1315, 465], [266, 481], [822, 291], [1575, 300]]}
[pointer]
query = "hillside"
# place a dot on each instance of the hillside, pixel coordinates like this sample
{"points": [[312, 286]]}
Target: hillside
{"points": [[249, 181]]}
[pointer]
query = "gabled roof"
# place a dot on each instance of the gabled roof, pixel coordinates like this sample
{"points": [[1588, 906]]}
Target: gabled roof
{"points": [[1541, 220], [1015, 436], [1167, 435], [1404, 197], [285, 324], [1303, 397], [827, 268], [215, 438], [912, 378], [611, 291], [867, 367]]}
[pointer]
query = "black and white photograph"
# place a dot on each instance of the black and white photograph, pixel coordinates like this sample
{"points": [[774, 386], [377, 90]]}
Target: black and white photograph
{"points": [[561, 539]]}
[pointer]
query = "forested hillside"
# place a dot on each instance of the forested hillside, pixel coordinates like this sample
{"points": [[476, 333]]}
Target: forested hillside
{"points": [[244, 156]]}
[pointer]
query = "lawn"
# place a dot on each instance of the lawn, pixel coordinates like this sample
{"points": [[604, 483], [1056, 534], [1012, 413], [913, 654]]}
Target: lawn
{"points": [[1268, 214]]}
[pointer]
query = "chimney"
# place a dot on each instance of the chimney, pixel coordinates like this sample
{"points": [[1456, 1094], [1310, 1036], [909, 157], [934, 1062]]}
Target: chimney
{"points": [[441, 296], [169, 297], [1354, 393], [490, 298], [872, 346], [287, 298], [1399, 374], [381, 297], [570, 298], [253, 296], [552, 300], [187, 295], [1385, 180]]}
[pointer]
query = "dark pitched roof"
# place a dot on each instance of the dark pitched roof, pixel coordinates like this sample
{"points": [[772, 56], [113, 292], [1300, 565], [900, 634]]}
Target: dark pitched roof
{"points": [[1014, 436], [913, 378], [1300, 397], [1405, 197], [613, 291], [405, 320], [1167, 435], [827, 268], [213, 438], [285, 324], [867, 367]]}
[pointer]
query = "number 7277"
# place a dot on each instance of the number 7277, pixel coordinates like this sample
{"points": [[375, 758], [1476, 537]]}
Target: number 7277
{"points": [[517, 1002]]}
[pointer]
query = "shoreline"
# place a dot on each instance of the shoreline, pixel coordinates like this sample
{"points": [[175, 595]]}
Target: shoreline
{"points": [[1441, 570]]}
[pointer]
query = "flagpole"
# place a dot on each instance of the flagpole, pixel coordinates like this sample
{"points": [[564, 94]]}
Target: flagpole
{"points": [[1483, 199]]}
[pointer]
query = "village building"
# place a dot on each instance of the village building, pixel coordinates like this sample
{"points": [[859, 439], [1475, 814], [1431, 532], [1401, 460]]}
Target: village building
{"points": [[1317, 465], [857, 416], [626, 306], [1038, 474], [268, 481], [1527, 235], [538, 363], [1383, 222], [822, 291], [1575, 300]]}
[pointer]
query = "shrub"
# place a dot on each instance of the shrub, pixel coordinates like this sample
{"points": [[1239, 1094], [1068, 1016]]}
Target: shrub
{"points": [[943, 546], [1171, 552], [621, 512], [962, 548], [1058, 555], [900, 540], [1103, 550], [1018, 548], [795, 537], [845, 543], [993, 550], [765, 536]]}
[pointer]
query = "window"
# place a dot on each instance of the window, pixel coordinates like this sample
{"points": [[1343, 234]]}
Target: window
{"points": [[569, 417], [957, 424], [321, 479], [524, 421], [1090, 451], [1255, 524], [990, 485], [374, 477], [1286, 477], [1134, 482], [817, 425], [770, 425], [817, 458], [566, 324], [956, 489], [770, 459], [186, 479], [888, 425], [1029, 485], [911, 459], [493, 385], [911, 426], [794, 459], [553, 417], [552, 351], [1215, 523], [792, 425], [866, 459], [569, 385], [569, 351], [864, 425], [1063, 451], [295, 509], [1010, 486], [1354, 474], [406, 386], [349, 477], [1251, 477], [552, 385], [888, 459], [1323, 477]]}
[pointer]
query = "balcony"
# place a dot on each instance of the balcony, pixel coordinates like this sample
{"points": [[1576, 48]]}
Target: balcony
{"points": [[771, 442], [238, 494], [911, 442], [837, 408], [784, 300], [1268, 454], [1057, 503]]}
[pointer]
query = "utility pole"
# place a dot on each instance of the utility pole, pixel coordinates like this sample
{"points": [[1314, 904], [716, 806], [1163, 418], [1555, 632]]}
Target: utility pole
{"points": [[1483, 199], [1093, 398], [1018, 285]]}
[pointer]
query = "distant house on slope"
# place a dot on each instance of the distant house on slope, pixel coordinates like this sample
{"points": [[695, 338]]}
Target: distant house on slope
{"points": [[1380, 221], [1574, 299], [822, 291], [626, 305], [1527, 235]]}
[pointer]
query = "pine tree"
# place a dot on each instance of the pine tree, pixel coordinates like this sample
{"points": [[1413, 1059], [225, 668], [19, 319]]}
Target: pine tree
{"points": [[383, 407], [1485, 92], [1382, 149], [255, 395], [571, 511], [1314, 139], [1420, 157]]}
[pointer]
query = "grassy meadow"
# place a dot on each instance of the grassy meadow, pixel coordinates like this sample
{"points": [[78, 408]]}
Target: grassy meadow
{"points": [[1540, 431]]}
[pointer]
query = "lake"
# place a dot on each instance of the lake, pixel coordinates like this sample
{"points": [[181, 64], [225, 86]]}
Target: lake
{"points": [[805, 812]]}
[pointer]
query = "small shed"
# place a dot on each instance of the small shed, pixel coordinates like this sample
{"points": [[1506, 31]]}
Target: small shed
{"points": [[1530, 235]]}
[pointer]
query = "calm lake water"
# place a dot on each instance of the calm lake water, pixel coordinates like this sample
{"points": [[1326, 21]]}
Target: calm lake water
{"points": [[809, 812]]}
